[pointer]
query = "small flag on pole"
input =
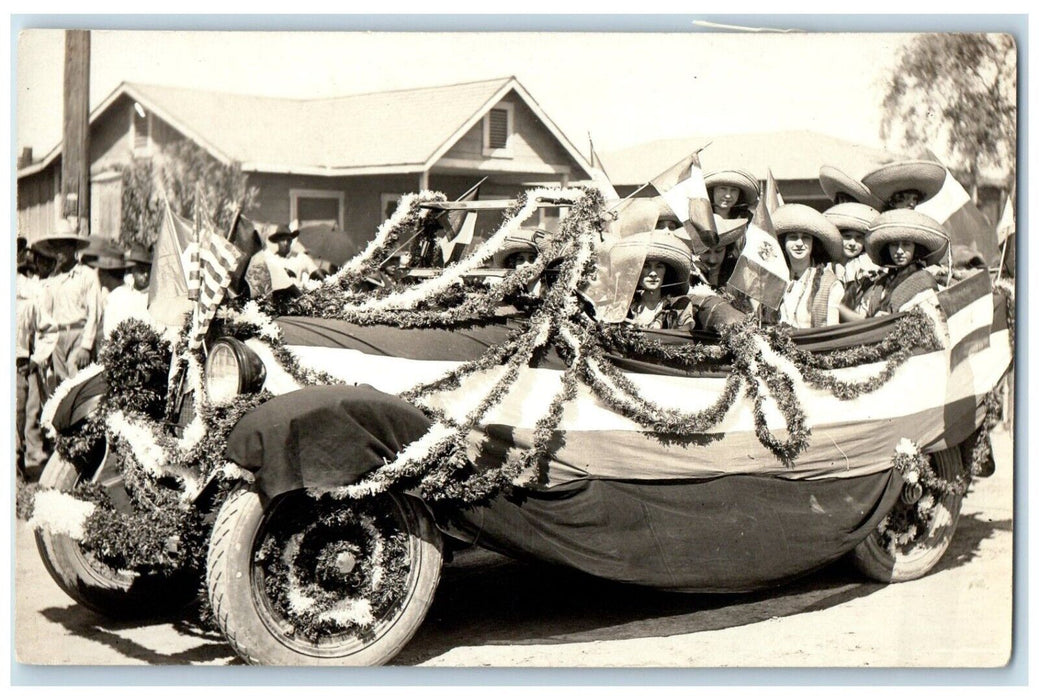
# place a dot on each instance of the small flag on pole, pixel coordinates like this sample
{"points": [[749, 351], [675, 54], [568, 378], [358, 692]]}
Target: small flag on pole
{"points": [[218, 259], [954, 209], [682, 187], [761, 271], [773, 199], [1007, 226], [458, 225]]}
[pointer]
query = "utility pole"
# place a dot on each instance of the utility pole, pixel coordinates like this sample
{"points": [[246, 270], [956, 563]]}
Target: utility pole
{"points": [[75, 148]]}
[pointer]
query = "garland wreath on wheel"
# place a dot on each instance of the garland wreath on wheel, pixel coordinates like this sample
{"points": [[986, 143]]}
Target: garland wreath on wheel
{"points": [[166, 472]]}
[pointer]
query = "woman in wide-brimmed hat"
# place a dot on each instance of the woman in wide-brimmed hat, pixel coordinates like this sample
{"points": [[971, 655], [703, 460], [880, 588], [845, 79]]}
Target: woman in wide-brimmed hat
{"points": [[857, 270], [664, 275], [520, 250], [906, 184], [733, 192], [841, 188], [904, 242], [812, 245]]}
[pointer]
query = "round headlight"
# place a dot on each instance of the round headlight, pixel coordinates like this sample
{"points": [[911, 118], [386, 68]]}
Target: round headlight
{"points": [[232, 369]]}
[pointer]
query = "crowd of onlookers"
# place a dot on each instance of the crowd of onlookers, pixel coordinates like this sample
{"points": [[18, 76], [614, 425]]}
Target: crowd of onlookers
{"points": [[71, 292]]}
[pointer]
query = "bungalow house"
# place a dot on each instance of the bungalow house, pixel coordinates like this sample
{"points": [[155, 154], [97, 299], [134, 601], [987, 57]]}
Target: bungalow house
{"points": [[794, 157], [342, 161]]}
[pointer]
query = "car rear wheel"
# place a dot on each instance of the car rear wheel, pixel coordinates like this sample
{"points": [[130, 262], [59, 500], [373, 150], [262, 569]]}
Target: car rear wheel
{"points": [[883, 556]]}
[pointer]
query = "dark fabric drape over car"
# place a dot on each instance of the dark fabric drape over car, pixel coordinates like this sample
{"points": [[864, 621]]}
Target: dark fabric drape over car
{"points": [[734, 533]]}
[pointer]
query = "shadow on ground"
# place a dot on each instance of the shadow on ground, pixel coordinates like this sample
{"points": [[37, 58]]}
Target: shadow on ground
{"points": [[120, 635], [486, 599]]}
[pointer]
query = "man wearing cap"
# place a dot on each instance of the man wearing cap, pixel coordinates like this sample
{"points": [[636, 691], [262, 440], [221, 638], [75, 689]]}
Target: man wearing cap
{"points": [[905, 184], [71, 302], [130, 300]]}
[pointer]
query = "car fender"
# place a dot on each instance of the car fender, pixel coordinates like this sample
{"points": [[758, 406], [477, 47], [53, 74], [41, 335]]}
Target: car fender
{"points": [[323, 437]]}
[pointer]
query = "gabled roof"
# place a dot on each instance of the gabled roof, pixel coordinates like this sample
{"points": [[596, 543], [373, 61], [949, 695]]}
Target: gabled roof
{"points": [[792, 155], [379, 132]]}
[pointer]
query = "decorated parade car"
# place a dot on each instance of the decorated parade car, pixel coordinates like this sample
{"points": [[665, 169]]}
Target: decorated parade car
{"points": [[313, 457]]}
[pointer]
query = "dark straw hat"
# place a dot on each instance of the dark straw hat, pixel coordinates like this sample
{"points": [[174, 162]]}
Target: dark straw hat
{"points": [[907, 225], [835, 181]]}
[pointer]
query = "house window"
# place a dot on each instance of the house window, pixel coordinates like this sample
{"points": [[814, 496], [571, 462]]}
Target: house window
{"points": [[312, 207], [497, 132], [141, 129], [388, 202]]}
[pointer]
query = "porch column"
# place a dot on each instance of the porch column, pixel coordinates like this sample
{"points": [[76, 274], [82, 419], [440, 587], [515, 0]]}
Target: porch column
{"points": [[423, 180]]}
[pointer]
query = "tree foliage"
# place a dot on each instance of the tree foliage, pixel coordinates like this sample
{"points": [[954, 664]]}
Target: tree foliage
{"points": [[173, 176], [956, 93]]}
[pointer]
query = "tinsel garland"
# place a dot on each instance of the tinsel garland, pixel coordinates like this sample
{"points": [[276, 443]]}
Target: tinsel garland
{"points": [[763, 364], [333, 569], [908, 521]]}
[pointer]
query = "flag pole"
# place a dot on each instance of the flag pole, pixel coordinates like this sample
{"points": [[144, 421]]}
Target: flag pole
{"points": [[1002, 259], [621, 201]]}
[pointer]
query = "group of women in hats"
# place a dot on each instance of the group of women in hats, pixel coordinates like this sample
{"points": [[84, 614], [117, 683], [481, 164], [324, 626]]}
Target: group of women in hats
{"points": [[72, 290], [870, 253]]}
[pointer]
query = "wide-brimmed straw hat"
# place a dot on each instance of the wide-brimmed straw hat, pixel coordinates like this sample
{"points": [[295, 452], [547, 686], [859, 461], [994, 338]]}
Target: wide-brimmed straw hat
{"points": [[103, 253], [138, 255], [800, 218], [907, 225], [522, 241], [851, 215], [735, 177], [835, 181], [924, 176], [63, 231], [659, 245]]}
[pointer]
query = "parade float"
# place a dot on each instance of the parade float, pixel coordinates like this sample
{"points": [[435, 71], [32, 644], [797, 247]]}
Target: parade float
{"points": [[316, 456]]}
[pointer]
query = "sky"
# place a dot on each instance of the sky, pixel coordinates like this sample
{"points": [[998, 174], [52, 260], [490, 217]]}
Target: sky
{"points": [[623, 88]]}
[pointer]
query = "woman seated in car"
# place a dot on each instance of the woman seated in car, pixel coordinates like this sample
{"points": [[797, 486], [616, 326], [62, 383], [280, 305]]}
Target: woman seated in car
{"points": [[904, 242], [733, 193], [812, 245], [663, 277], [857, 270]]}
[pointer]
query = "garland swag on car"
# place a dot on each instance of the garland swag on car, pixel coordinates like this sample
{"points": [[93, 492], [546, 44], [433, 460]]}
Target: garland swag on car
{"points": [[167, 472]]}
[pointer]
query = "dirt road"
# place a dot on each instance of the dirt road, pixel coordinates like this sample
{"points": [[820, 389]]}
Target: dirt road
{"points": [[491, 611]]}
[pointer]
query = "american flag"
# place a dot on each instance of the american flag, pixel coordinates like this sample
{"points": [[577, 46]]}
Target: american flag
{"points": [[217, 260]]}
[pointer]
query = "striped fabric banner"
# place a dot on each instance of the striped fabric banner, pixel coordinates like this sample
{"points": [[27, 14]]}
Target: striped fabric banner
{"points": [[922, 402], [968, 308]]}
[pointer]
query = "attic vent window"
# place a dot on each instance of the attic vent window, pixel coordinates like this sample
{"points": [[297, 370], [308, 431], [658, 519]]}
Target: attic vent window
{"points": [[141, 129], [497, 128]]}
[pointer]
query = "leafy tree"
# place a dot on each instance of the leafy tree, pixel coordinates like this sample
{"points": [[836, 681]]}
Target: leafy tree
{"points": [[957, 93], [173, 176]]}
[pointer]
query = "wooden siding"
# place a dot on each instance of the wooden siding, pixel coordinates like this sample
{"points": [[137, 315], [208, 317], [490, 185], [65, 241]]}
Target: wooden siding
{"points": [[530, 142], [38, 196]]}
